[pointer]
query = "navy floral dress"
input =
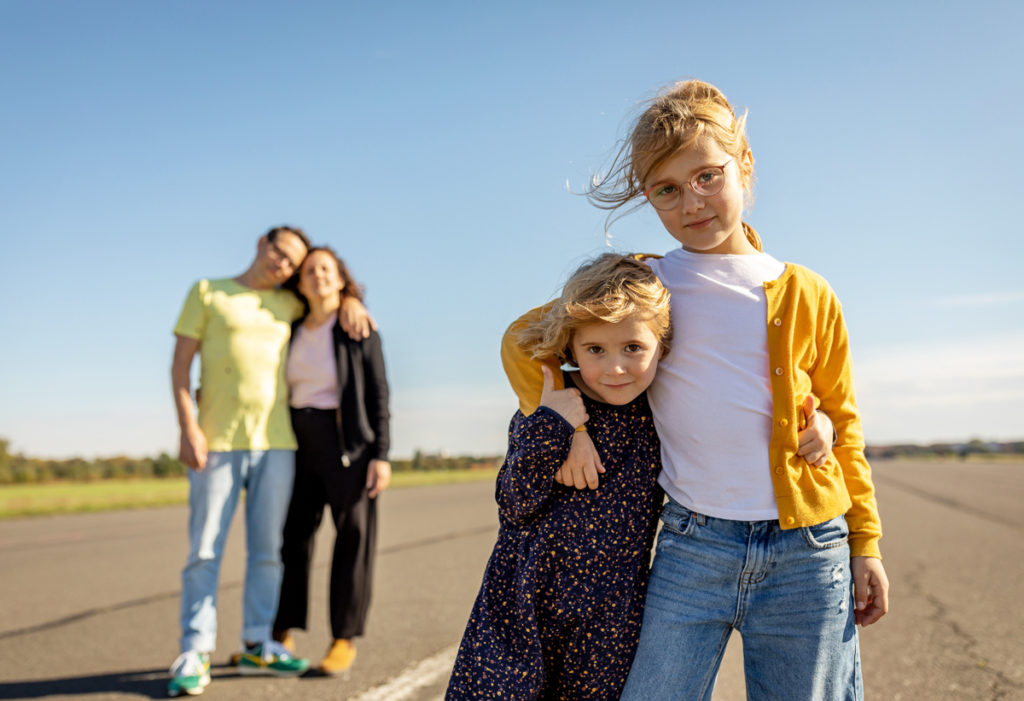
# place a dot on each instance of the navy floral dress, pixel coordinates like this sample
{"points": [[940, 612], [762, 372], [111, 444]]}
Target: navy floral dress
{"points": [[559, 611]]}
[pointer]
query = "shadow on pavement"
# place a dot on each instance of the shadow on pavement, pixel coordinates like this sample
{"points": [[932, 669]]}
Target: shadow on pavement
{"points": [[144, 684], [149, 684]]}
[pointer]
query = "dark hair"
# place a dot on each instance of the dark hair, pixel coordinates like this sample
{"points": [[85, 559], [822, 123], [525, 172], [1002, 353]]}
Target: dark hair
{"points": [[272, 234], [351, 288]]}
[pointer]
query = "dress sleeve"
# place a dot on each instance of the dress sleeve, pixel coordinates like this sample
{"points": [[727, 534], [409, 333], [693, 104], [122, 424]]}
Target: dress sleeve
{"points": [[538, 445], [524, 372]]}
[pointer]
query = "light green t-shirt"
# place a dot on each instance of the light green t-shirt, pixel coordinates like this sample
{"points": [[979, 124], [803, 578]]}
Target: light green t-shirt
{"points": [[243, 342]]}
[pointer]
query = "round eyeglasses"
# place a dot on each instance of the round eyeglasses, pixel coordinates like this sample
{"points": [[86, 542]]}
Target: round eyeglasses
{"points": [[705, 182]]}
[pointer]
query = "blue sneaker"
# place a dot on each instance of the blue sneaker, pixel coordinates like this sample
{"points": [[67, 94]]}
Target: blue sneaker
{"points": [[190, 674], [271, 658]]}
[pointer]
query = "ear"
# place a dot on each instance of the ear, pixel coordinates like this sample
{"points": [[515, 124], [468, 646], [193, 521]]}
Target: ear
{"points": [[746, 162]]}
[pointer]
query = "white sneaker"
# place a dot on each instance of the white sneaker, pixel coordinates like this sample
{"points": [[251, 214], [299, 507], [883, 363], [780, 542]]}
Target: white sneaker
{"points": [[190, 674]]}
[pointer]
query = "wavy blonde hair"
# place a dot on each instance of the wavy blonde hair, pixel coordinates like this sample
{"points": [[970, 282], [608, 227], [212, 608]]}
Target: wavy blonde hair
{"points": [[610, 288], [672, 122]]}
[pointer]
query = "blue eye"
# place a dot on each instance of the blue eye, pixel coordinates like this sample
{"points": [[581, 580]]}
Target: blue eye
{"points": [[708, 181]]}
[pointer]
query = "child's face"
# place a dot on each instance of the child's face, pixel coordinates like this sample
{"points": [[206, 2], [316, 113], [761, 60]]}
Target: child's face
{"points": [[705, 224], [617, 361]]}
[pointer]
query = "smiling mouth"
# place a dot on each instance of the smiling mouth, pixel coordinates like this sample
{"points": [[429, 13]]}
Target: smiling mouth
{"points": [[698, 224]]}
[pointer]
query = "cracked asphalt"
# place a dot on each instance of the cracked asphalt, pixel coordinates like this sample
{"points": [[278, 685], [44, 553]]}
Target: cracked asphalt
{"points": [[88, 603]]}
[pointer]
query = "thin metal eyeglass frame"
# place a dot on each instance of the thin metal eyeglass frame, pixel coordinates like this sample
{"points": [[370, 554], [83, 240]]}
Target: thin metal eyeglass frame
{"points": [[679, 195]]}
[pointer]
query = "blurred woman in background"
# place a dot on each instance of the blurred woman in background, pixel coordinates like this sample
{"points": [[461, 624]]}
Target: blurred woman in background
{"points": [[338, 393]]}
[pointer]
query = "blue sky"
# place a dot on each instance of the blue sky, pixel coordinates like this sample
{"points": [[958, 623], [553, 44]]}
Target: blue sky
{"points": [[144, 145]]}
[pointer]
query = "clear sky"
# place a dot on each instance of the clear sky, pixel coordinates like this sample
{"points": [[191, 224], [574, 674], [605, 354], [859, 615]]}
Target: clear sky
{"points": [[144, 145]]}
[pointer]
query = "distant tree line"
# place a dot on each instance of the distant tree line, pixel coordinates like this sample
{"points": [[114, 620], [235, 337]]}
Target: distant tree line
{"points": [[20, 469], [16, 468], [975, 446], [423, 461]]}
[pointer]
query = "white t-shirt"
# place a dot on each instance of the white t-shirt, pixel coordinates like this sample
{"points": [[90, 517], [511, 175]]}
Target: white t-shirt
{"points": [[712, 398], [312, 372]]}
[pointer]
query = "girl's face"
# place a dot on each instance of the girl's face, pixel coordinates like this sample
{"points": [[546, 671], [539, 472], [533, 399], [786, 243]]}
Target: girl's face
{"points": [[319, 278], [617, 361], [705, 224]]}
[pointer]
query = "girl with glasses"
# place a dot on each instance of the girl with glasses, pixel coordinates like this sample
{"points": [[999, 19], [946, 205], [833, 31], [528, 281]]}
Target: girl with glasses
{"points": [[768, 535]]}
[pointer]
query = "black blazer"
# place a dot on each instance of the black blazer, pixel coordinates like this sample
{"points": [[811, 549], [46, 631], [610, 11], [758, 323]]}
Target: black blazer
{"points": [[363, 416]]}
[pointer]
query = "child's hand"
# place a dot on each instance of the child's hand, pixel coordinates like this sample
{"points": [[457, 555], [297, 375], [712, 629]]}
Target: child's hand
{"points": [[815, 441], [565, 402], [870, 589], [583, 464]]}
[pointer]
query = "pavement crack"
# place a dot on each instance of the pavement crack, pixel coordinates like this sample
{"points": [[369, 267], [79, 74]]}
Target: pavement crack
{"points": [[1000, 684]]}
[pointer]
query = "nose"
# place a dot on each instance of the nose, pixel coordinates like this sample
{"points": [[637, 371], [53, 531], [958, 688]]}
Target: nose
{"points": [[692, 202]]}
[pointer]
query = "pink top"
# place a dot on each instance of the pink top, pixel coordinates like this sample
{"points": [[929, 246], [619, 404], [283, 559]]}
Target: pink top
{"points": [[312, 372]]}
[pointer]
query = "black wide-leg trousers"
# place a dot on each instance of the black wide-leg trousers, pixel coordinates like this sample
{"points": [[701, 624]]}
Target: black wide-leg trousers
{"points": [[321, 479]]}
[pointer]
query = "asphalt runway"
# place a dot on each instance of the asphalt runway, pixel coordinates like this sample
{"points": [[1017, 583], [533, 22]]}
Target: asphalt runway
{"points": [[88, 603]]}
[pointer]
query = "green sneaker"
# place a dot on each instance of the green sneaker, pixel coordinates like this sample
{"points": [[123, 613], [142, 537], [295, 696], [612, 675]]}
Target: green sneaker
{"points": [[273, 658], [190, 674]]}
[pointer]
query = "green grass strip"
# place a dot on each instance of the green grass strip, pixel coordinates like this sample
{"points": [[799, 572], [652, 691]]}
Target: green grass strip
{"points": [[73, 497]]}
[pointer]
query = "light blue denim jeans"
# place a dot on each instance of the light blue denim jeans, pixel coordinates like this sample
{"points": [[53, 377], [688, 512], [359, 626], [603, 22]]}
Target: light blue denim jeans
{"points": [[267, 476], [788, 593]]}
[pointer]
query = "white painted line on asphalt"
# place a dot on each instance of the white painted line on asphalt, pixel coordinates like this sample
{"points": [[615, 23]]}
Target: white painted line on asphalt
{"points": [[413, 678]]}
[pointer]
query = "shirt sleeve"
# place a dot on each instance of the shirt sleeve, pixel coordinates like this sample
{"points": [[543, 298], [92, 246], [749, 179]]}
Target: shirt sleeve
{"points": [[538, 445], [192, 320]]}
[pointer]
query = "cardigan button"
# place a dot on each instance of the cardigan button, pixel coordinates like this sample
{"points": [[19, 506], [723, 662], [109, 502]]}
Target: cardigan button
{"points": [[790, 520], [778, 321], [783, 423], [779, 470], [778, 371]]}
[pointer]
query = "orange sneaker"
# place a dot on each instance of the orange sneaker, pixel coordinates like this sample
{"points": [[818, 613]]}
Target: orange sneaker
{"points": [[339, 658]]}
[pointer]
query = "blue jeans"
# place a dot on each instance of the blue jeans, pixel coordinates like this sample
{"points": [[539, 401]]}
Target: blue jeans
{"points": [[267, 476], [788, 593]]}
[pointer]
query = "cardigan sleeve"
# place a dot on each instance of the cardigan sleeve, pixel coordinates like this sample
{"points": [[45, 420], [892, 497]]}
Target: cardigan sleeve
{"points": [[832, 382], [538, 444], [523, 372]]}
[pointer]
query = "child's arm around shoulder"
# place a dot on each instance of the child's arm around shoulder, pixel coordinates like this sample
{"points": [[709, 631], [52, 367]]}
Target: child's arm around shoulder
{"points": [[538, 445], [583, 465]]}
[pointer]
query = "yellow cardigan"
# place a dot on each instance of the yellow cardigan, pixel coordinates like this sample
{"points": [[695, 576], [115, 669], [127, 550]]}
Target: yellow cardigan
{"points": [[809, 353]]}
